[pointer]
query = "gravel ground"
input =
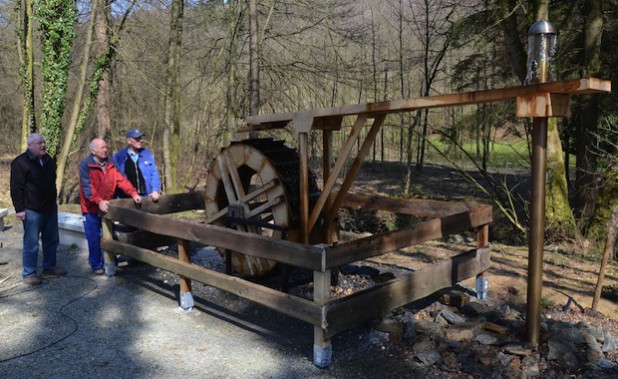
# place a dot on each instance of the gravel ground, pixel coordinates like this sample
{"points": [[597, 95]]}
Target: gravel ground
{"points": [[86, 326]]}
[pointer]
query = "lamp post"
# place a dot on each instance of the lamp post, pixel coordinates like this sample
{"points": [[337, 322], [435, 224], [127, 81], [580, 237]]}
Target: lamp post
{"points": [[541, 50]]}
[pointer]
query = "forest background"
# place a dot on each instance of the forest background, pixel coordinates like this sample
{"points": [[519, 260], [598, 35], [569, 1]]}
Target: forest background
{"points": [[186, 73]]}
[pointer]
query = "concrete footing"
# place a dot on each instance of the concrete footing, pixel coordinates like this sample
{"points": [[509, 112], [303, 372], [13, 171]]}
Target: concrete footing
{"points": [[110, 268], [186, 301], [322, 356]]}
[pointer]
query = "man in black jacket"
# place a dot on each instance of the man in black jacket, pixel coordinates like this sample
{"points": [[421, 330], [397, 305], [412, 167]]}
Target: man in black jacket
{"points": [[33, 191]]}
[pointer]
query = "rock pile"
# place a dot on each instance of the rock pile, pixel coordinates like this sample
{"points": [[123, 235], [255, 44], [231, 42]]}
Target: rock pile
{"points": [[464, 337]]}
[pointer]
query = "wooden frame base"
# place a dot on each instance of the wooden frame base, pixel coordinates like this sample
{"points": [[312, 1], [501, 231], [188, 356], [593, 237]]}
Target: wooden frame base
{"points": [[328, 316]]}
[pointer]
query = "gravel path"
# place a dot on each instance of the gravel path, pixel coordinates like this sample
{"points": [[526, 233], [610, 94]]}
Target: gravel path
{"points": [[86, 326]]}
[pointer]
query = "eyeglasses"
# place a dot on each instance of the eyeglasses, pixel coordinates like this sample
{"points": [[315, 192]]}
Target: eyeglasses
{"points": [[138, 139]]}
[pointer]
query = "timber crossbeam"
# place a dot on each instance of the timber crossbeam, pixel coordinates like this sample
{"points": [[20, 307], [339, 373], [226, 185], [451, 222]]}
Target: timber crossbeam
{"points": [[305, 120]]}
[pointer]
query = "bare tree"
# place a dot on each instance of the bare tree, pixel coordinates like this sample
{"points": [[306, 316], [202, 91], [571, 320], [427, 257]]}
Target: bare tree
{"points": [[26, 57], [171, 133]]}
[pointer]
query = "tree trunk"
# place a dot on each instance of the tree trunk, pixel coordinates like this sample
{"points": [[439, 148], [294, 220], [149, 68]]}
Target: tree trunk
{"points": [[558, 212], [231, 107], [585, 174], [171, 134], [103, 103], [26, 61], [514, 46], [62, 158], [254, 63], [57, 25]]}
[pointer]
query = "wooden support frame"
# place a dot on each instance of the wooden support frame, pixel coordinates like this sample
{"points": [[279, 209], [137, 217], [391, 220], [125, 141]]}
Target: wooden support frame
{"points": [[330, 317]]}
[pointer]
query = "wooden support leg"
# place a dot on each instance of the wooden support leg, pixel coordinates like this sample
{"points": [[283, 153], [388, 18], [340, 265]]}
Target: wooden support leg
{"points": [[109, 259], [322, 348], [304, 187], [186, 299], [482, 279]]}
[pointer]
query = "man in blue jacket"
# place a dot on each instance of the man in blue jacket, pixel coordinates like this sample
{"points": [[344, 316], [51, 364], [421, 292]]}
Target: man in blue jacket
{"points": [[138, 165]]}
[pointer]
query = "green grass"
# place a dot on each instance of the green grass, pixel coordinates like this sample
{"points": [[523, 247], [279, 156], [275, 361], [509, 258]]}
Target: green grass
{"points": [[503, 154]]}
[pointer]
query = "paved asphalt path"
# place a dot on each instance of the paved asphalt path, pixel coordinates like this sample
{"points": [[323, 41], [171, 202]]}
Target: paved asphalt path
{"points": [[130, 326]]}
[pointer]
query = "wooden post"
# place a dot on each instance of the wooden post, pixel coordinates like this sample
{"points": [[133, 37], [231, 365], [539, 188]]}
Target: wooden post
{"points": [[109, 258], [327, 141], [482, 281], [482, 236], [322, 348], [186, 299], [304, 186]]}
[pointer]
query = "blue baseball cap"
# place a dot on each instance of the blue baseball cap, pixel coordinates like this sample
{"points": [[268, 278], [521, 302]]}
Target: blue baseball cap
{"points": [[134, 133]]}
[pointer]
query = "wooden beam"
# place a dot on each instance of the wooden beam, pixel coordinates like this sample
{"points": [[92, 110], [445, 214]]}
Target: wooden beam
{"points": [[543, 105], [329, 182], [567, 87], [426, 231], [355, 168], [146, 239], [375, 302], [415, 207], [291, 305], [292, 253], [167, 203]]}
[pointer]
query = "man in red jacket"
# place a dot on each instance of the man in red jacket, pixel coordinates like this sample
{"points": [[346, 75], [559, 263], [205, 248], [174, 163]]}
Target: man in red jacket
{"points": [[99, 179]]}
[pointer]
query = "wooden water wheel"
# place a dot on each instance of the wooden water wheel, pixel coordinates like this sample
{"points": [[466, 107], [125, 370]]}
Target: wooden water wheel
{"points": [[258, 180]]}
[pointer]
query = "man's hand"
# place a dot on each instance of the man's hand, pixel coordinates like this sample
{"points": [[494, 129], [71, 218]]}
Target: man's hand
{"points": [[21, 215], [155, 196], [137, 199], [103, 206]]}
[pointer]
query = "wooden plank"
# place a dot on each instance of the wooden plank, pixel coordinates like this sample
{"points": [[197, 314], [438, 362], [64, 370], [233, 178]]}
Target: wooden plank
{"points": [[293, 253], [415, 207], [146, 239], [375, 302], [426, 231], [570, 87], [290, 305], [178, 202]]}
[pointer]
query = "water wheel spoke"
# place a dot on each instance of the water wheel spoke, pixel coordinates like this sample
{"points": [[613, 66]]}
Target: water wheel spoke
{"points": [[216, 216], [260, 190], [264, 207], [233, 171], [227, 184]]}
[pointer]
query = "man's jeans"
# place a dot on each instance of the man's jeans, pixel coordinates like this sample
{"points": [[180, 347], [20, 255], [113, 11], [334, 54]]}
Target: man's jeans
{"points": [[92, 227], [45, 225]]}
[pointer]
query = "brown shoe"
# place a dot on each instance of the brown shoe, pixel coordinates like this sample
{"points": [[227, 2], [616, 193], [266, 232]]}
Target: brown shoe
{"points": [[54, 272], [99, 271], [33, 280]]}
